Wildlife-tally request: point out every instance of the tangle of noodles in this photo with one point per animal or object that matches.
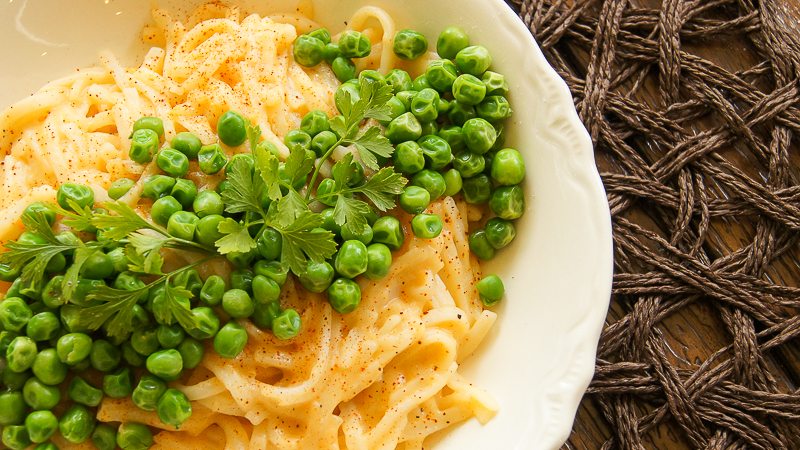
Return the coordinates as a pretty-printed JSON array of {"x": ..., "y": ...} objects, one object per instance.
[{"x": 385, "y": 376}]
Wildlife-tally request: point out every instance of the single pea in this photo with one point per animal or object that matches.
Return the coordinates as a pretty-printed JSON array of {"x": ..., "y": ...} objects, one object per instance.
[
  {"x": 40, "y": 396},
  {"x": 41, "y": 425},
  {"x": 508, "y": 168},
  {"x": 269, "y": 244},
  {"x": 287, "y": 324},
  {"x": 273, "y": 270},
  {"x": 147, "y": 392},
  {"x": 477, "y": 190},
  {"x": 420, "y": 83},
  {"x": 20, "y": 354},
  {"x": 351, "y": 260},
  {"x": 170, "y": 336},
  {"x": 128, "y": 281},
  {"x": 354, "y": 44},
  {"x": 164, "y": 208},
  {"x": 134, "y": 436},
  {"x": 212, "y": 291},
  {"x": 297, "y": 139},
  {"x": 479, "y": 135},
  {"x": 344, "y": 295},
  {"x": 329, "y": 222},
  {"x": 144, "y": 144},
  {"x": 184, "y": 191},
  {"x": 104, "y": 356},
  {"x": 172, "y": 162},
  {"x": 237, "y": 303},
  {"x": 322, "y": 142},
  {"x": 80, "y": 391},
  {"x": 451, "y": 41},
  {"x": 409, "y": 158},
  {"x": 396, "y": 109},
  {"x": 131, "y": 356},
  {"x": 157, "y": 186},
  {"x": 207, "y": 203},
  {"x": 424, "y": 105},
  {"x": 5, "y": 340},
  {"x": 118, "y": 259},
  {"x": 12, "y": 408},
  {"x": 331, "y": 52},
  {"x": 431, "y": 181},
  {"x": 436, "y": 151},
  {"x": 444, "y": 107},
  {"x": 405, "y": 97},
  {"x": 469, "y": 89},
  {"x": 322, "y": 34},
  {"x": 48, "y": 368},
  {"x": 495, "y": 83},
  {"x": 480, "y": 246},
  {"x": 145, "y": 340},
  {"x": 326, "y": 192},
  {"x": 426, "y": 226},
  {"x": 37, "y": 208},
  {"x": 78, "y": 194},
  {"x": 8, "y": 272},
  {"x": 405, "y": 127},
  {"x": 191, "y": 352},
  {"x": 231, "y": 129},
  {"x": 73, "y": 348},
  {"x": 231, "y": 340},
  {"x": 14, "y": 381},
  {"x": 266, "y": 290},
  {"x": 409, "y": 44},
  {"x": 165, "y": 364},
  {"x": 315, "y": 122},
  {"x": 430, "y": 128},
  {"x": 379, "y": 261},
  {"x": 211, "y": 159},
  {"x": 57, "y": 263},
  {"x": 494, "y": 108},
  {"x": 104, "y": 437},
  {"x": 369, "y": 76},
  {"x": 76, "y": 424},
  {"x": 182, "y": 225},
  {"x": 316, "y": 277},
  {"x": 365, "y": 236},
  {"x": 308, "y": 51},
  {"x": 43, "y": 326},
  {"x": 16, "y": 437},
  {"x": 500, "y": 232},
  {"x": 242, "y": 279},
  {"x": 387, "y": 230},
  {"x": 453, "y": 182},
  {"x": 414, "y": 199},
  {"x": 460, "y": 113},
  {"x": 187, "y": 143},
  {"x": 51, "y": 294},
  {"x": 441, "y": 74},
  {"x": 174, "y": 408},
  {"x": 14, "y": 313},
  {"x": 469, "y": 164},
  {"x": 207, "y": 229},
  {"x": 149, "y": 123},
  {"x": 265, "y": 314},
  {"x": 343, "y": 68},
  {"x": 508, "y": 202},
  {"x": 473, "y": 60},
  {"x": 97, "y": 267},
  {"x": 399, "y": 80},
  {"x": 118, "y": 384},
  {"x": 491, "y": 289}
]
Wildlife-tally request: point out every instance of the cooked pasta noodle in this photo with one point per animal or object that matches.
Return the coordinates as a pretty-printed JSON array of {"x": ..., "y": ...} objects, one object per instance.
[{"x": 385, "y": 376}]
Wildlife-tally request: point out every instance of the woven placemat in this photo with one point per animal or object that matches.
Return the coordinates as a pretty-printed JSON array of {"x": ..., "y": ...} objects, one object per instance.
[{"x": 694, "y": 109}]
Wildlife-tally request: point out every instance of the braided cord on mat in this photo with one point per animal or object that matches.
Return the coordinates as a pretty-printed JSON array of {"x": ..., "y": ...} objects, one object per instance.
[{"x": 694, "y": 109}]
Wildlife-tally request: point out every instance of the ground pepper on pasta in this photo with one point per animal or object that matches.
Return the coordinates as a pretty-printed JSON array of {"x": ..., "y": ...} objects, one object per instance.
[{"x": 264, "y": 236}]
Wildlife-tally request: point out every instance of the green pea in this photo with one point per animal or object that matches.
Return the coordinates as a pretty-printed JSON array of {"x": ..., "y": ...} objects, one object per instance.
[
  {"x": 424, "y": 105},
  {"x": 273, "y": 270},
  {"x": 212, "y": 291},
  {"x": 351, "y": 260},
  {"x": 144, "y": 144},
  {"x": 120, "y": 187},
  {"x": 165, "y": 364},
  {"x": 12, "y": 408},
  {"x": 145, "y": 341},
  {"x": 331, "y": 52},
  {"x": 297, "y": 139},
  {"x": 396, "y": 109},
  {"x": 20, "y": 354},
  {"x": 134, "y": 436},
  {"x": 491, "y": 289},
  {"x": 149, "y": 123},
  {"x": 207, "y": 203},
  {"x": 207, "y": 229},
  {"x": 51, "y": 294},
  {"x": 237, "y": 303},
  {"x": 41, "y": 425},
  {"x": 191, "y": 352},
  {"x": 172, "y": 162},
  {"x": 469, "y": 164},
  {"x": 399, "y": 80},
  {"x": 207, "y": 323},
  {"x": 500, "y": 232},
  {"x": 451, "y": 41},
  {"x": 73, "y": 348},
  {"x": 16, "y": 437},
  {"x": 242, "y": 279},
  {"x": 436, "y": 151},
  {"x": 37, "y": 208},
  {"x": 508, "y": 168},
  {"x": 97, "y": 267},
  {"x": 164, "y": 208},
  {"x": 119, "y": 261},
  {"x": 460, "y": 113},
  {"x": 231, "y": 340},
  {"x": 477, "y": 190},
  {"x": 128, "y": 281},
  {"x": 480, "y": 246},
  {"x": 76, "y": 424},
  {"x": 403, "y": 128},
  {"x": 323, "y": 142},
  {"x": 431, "y": 181},
  {"x": 479, "y": 135},
  {"x": 328, "y": 221},
  {"x": 80, "y": 391},
  {"x": 322, "y": 34},
  {"x": 170, "y": 336},
  {"x": 508, "y": 202},
  {"x": 365, "y": 236},
  {"x": 5, "y": 340},
  {"x": 353, "y": 44},
  {"x": 405, "y": 97},
  {"x": 104, "y": 356},
  {"x": 495, "y": 83},
  {"x": 187, "y": 143},
  {"x": 46, "y": 446},
  {"x": 387, "y": 230},
  {"x": 43, "y": 326},
  {"x": 266, "y": 290},
  {"x": 211, "y": 159},
  {"x": 473, "y": 60},
  {"x": 441, "y": 74},
  {"x": 429, "y": 128},
  {"x": 14, "y": 313},
  {"x": 469, "y": 89},
  {"x": 39, "y": 395},
  {"x": 287, "y": 324},
  {"x": 409, "y": 44},
  {"x": 369, "y": 76},
  {"x": 48, "y": 368},
  {"x": 444, "y": 107},
  {"x": 420, "y": 83},
  {"x": 131, "y": 356},
  {"x": 182, "y": 225},
  {"x": 494, "y": 108},
  {"x": 379, "y": 261},
  {"x": 414, "y": 199},
  {"x": 265, "y": 314},
  {"x": 232, "y": 129},
  {"x": 57, "y": 263},
  {"x": 308, "y": 51},
  {"x": 184, "y": 191},
  {"x": 78, "y": 194},
  {"x": 270, "y": 243},
  {"x": 104, "y": 437},
  {"x": 426, "y": 226},
  {"x": 344, "y": 295},
  {"x": 118, "y": 384},
  {"x": 453, "y": 182},
  {"x": 317, "y": 276},
  {"x": 343, "y": 68},
  {"x": 157, "y": 186},
  {"x": 408, "y": 157},
  {"x": 8, "y": 272},
  {"x": 147, "y": 392},
  {"x": 315, "y": 122}
]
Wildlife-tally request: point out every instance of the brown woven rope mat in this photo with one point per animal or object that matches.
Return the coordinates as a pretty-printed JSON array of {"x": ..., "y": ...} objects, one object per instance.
[{"x": 694, "y": 109}]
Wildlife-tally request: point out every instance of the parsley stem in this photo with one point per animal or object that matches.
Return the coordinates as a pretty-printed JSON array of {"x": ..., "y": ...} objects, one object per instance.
[{"x": 325, "y": 158}]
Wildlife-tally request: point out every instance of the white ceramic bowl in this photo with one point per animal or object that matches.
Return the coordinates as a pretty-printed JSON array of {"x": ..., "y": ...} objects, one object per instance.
[{"x": 540, "y": 356}]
